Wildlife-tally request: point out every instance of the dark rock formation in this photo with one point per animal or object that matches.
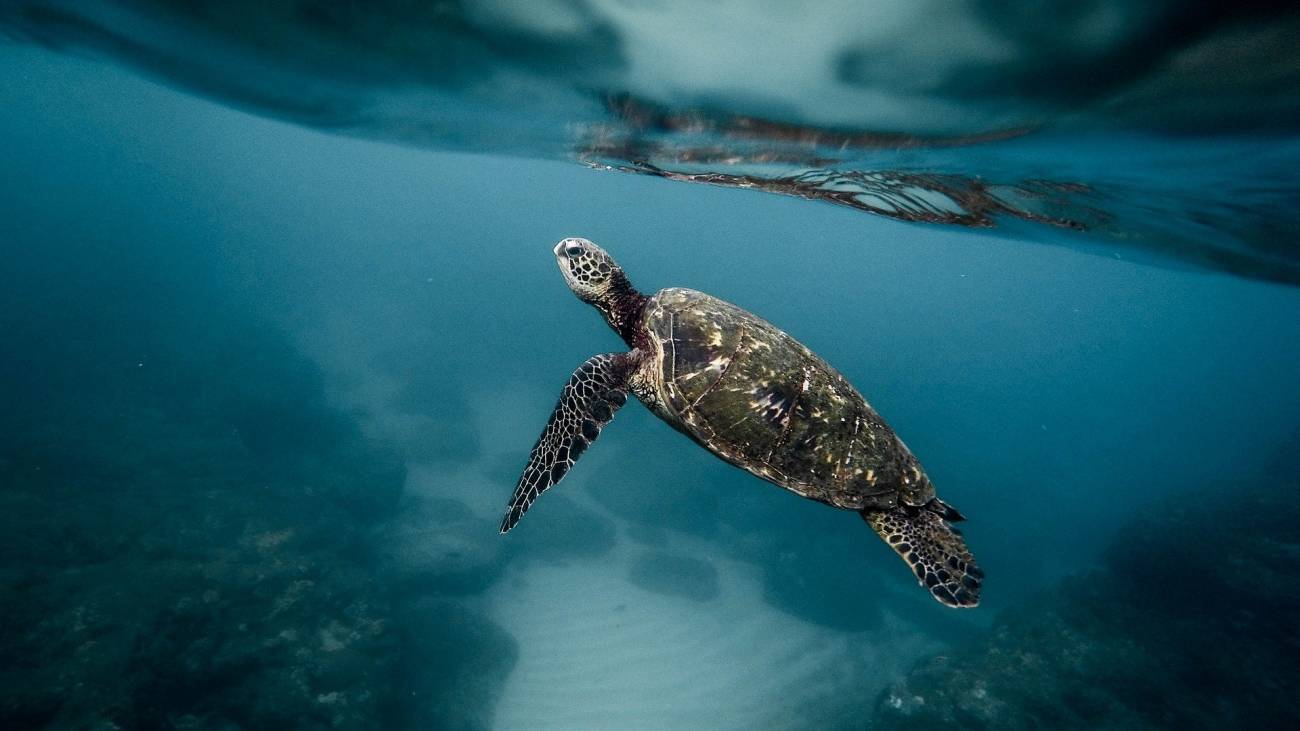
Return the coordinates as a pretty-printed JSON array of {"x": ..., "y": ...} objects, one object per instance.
[
  {"x": 188, "y": 528},
  {"x": 1193, "y": 623},
  {"x": 453, "y": 664}
]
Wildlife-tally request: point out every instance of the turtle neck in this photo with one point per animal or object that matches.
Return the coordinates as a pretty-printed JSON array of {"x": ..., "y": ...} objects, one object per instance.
[{"x": 622, "y": 306}]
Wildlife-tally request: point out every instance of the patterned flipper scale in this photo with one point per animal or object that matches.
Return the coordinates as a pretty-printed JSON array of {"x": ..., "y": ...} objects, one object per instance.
[
  {"x": 935, "y": 551},
  {"x": 594, "y": 392}
]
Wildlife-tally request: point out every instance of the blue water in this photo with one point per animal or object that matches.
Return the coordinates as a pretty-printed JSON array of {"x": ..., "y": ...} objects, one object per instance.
[{"x": 269, "y": 379}]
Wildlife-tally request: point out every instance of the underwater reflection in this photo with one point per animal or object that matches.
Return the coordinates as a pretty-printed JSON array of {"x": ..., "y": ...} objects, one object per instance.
[{"x": 975, "y": 121}]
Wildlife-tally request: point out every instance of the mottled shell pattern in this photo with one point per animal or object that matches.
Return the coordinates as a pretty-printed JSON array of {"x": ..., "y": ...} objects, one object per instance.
[{"x": 759, "y": 399}]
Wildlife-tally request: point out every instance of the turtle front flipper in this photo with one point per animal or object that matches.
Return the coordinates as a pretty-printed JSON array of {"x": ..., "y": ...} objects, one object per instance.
[
  {"x": 934, "y": 550},
  {"x": 594, "y": 392}
]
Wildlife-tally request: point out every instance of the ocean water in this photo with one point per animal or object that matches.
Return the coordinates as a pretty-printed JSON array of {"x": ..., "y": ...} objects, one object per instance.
[{"x": 280, "y": 322}]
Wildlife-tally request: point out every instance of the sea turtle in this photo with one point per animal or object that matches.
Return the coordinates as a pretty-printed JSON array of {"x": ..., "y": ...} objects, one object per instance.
[{"x": 754, "y": 396}]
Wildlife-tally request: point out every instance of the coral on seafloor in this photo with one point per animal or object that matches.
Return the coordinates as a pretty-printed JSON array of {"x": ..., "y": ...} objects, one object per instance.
[
  {"x": 1193, "y": 622},
  {"x": 195, "y": 542}
]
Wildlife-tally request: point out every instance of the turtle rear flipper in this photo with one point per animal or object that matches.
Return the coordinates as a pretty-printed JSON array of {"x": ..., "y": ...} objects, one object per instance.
[{"x": 936, "y": 552}]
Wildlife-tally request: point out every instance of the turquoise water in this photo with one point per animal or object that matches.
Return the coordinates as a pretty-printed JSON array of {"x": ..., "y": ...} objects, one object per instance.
[{"x": 269, "y": 379}]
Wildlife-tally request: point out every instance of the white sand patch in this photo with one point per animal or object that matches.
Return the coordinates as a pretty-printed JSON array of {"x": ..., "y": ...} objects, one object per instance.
[{"x": 597, "y": 652}]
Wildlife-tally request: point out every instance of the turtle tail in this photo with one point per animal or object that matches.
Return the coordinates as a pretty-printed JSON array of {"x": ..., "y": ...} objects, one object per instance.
[{"x": 934, "y": 549}]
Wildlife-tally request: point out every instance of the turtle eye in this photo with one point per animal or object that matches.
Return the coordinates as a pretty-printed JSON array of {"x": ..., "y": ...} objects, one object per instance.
[{"x": 573, "y": 250}]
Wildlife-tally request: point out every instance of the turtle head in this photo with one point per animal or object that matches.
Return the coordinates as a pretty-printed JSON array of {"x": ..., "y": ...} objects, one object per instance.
[
  {"x": 597, "y": 280},
  {"x": 588, "y": 270}
]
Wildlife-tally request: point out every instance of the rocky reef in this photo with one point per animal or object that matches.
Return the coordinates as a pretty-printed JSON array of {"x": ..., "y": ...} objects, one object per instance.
[
  {"x": 1192, "y": 622},
  {"x": 192, "y": 535}
]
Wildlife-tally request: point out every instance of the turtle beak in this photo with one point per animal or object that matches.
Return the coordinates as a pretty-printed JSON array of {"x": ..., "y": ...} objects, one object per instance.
[{"x": 562, "y": 258}]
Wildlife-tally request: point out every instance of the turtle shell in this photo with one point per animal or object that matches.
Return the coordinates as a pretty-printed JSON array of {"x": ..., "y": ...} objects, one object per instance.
[{"x": 759, "y": 399}]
